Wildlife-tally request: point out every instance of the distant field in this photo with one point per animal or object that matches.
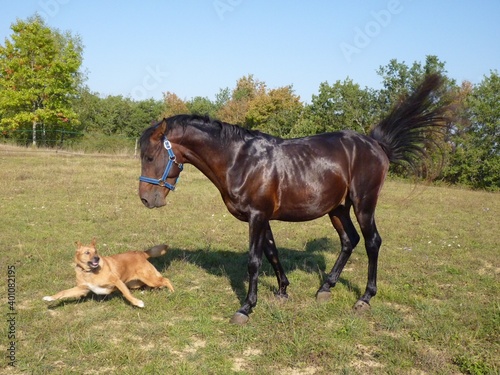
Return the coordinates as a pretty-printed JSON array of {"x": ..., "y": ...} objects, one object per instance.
[{"x": 437, "y": 310}]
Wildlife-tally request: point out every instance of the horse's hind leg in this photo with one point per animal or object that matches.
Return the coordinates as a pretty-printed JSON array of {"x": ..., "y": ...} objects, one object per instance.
[
  {"x": 272, "y": 256},
  {"x": 349, "y": 238},
  {"x": 373, "y": 241}
]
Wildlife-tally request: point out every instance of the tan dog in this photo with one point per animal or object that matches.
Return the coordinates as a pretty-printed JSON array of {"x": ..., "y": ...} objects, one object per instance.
[{"x": 103, "y": 275}]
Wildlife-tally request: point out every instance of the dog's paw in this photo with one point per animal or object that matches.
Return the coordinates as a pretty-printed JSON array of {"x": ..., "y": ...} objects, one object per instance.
[
  {"x": 140, "y": 304},
  {"x": 48, "y": 299}
]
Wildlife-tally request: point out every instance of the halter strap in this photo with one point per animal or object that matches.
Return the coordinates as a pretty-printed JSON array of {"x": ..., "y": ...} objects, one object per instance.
[{"x": 171, "y": 161}]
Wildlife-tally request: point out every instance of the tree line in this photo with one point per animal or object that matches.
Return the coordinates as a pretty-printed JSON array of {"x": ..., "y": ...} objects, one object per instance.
[{"x": 43, "y": 97}]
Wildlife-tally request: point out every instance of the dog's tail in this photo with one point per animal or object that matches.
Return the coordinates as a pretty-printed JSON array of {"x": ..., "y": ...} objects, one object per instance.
[{"x": 156, "y": 251}]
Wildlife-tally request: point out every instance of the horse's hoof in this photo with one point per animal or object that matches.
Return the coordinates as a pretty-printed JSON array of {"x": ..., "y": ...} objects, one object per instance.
[
  {"x": 361, "y": 306},
  {"x": 323, "y": 296},
  {"x": 239, "y": 319},
  {"x": 281, "y": 297}
]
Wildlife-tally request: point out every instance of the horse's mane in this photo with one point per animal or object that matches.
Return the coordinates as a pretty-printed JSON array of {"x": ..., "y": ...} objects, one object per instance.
[{"x": 224, "y": 130}]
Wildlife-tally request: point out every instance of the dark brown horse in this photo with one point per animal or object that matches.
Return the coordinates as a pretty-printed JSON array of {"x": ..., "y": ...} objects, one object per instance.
[{"x": 263, "y": 178}]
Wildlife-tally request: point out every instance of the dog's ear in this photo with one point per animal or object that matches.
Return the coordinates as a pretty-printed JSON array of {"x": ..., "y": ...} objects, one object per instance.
[
  {"x": 78, "y": 244},
  {"x": 93, "y": 242}
]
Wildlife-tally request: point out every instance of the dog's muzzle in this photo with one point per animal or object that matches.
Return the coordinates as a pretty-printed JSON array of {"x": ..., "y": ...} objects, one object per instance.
[{"x": 94, "y": 263}]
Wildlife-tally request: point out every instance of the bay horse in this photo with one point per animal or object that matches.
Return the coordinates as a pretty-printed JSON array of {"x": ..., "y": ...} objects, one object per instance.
[{"x": 263, "y": 178}]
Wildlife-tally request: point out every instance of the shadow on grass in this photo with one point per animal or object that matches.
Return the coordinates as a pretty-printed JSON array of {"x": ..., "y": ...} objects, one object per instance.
[
  {"x": 89, "y": 297},
  {"x": 95, "y": 297},
  {"x": 233, "y": 265}
]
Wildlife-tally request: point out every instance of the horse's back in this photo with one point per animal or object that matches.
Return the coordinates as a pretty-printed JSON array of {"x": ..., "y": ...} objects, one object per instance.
[{"x": 304, "y": 178}]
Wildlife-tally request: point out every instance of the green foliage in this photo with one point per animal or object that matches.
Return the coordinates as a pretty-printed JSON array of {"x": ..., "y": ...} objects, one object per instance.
[
  {"x": 474, "y": 159},
  {"x": 202, "y": 106},
  {"x": 143, "y": 113},
  {"x": 115, "y": 115},
  {"x": 222, "y": 97},
  {"x": 39, "y": 74},
  {"x": 398, "y": 79},
  {"x": 173, "y": 105},
  {"x": 236, "y": 107},
  {"x": 472, "y": 366},
  {"x": 274, "y": 111},
  {"x": 343, "y": 105}
]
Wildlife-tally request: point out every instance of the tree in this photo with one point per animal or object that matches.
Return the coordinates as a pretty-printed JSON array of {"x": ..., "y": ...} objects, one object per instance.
[
  {"x": 89, "y": 110},
  {"x": 275, "y": 111},
  {"x": 39, "y": 76},
  {"x": 173, "y": 105},
  {"x": 343, "y": 105},
  {"x": 201, "y": 106},
  {"x": 485, "y": 117},
  {"x": 143, "y": 113},
  {"x": 398, "y": 79},
  {"x": 221, "y": 98},
  {"x": 234, "y": 111},
  {"x": 475, "y": 156}
]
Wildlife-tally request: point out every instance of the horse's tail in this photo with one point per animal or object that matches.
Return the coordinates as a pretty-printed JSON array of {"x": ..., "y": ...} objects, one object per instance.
[
  {"x": 156, "y": 251},
  {"x": 407, "y": 132}
]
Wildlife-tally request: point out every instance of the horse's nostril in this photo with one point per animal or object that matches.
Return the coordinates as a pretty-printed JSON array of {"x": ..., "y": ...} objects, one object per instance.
[{"x": 145, "y": 202}]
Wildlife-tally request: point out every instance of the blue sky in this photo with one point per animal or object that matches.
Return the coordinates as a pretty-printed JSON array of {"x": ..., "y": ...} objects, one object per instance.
[{"x": 193, "y": 48}]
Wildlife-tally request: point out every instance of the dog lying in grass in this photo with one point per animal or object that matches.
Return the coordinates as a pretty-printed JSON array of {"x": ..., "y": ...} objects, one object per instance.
[{"x": 104, "y": 275}]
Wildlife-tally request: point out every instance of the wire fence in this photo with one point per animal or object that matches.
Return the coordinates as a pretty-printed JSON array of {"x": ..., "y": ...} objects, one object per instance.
[
  {"x": 72, "y": 141},
  {"x": 41, "y": 137}
]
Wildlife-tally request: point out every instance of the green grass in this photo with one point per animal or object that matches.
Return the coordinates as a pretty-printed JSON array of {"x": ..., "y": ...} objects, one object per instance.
[{"x": 437, "y": 310}]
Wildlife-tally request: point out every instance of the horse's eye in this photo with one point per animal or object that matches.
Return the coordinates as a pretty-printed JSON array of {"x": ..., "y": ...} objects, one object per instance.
[{"x": 149, "y": 159}]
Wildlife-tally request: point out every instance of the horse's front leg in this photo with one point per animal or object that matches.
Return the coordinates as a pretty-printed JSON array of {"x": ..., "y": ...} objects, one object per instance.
[
  {"x": 272, "y": 256},
  {"x": 258, "y": 228}
]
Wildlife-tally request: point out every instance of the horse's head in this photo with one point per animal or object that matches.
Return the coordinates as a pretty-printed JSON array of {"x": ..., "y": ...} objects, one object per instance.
[{"x": 160, "y": 166}]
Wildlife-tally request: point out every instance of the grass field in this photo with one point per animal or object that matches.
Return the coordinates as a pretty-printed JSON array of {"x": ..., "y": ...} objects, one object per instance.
[{"x": 437, "y": 310}]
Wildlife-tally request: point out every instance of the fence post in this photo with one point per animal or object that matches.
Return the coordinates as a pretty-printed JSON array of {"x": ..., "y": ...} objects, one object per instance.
[{"x": 34, "y": 133}]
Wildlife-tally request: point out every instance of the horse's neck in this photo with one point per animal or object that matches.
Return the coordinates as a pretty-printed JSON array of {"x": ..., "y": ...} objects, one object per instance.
[{"x": 208, "y": 154}]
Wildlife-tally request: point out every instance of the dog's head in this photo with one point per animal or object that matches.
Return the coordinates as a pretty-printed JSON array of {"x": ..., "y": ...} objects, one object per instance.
[{"x": 86, "y": 256}]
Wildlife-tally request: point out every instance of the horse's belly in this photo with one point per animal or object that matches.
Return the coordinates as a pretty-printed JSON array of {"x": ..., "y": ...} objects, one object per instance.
[
  {"x": 304, "y": 211},
  {"x": 307, "y": 204}
]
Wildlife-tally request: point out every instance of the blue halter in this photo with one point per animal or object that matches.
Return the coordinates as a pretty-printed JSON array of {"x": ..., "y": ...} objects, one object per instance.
[{"x": 171, "y": 161}]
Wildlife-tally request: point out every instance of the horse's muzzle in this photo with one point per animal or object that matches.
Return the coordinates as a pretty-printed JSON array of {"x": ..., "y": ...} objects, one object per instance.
[
  {"x": 152, "y": 203},
  {"x": 153, "y": 198}
]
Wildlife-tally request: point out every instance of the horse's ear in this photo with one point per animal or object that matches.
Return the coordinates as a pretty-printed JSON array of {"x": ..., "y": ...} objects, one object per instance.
[{"x": 160, "y": 130}]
